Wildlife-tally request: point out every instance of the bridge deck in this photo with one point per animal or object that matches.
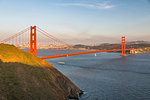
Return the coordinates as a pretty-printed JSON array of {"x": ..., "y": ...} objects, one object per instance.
[{"x": 80, "y": 53}]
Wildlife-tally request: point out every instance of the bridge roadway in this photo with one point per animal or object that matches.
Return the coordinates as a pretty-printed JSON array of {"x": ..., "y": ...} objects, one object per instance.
[{"x": 81, "y": 53}]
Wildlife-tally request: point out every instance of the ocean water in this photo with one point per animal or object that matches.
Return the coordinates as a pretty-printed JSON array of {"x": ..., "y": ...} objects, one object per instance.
[{"x": 107, "y": 76}]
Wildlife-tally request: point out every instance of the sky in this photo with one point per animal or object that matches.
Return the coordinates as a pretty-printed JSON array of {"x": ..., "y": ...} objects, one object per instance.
[{"x": 78, "y": 21}]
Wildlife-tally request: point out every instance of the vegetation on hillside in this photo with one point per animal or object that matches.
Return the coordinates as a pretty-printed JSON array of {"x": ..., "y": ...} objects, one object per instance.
[{"x": 26, "y": 77}]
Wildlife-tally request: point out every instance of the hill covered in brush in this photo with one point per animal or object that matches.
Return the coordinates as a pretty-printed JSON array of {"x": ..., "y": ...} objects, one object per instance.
[{"x": 26, "y": 77}]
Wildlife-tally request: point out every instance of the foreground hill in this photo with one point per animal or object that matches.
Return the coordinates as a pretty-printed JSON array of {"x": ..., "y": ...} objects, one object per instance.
[{"x": 26, "y": 77}]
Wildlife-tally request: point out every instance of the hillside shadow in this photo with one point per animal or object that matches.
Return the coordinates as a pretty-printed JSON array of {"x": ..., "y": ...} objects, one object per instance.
[{"x": 24, "y": 82}]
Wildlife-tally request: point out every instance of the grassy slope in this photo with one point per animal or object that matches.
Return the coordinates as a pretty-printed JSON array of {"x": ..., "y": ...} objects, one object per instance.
[{"x": 25, "y": 77}]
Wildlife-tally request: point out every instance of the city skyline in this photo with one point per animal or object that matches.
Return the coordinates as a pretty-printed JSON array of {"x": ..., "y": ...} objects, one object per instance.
[{"x": 80, "y": 21}]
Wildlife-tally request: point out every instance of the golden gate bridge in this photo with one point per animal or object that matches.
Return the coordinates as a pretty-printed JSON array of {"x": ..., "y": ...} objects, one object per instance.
[{"x": 32, "y": 35}]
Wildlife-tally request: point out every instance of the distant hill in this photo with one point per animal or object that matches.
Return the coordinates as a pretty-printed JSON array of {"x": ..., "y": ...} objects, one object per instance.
[
  {"x": 26, "y": 77},
  {"x": 109, "y": 46},
  {"x": 138, "y": 42}
]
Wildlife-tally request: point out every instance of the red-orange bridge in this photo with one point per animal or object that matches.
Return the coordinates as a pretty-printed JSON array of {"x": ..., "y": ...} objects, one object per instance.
[{"x": 29, "y": 38}]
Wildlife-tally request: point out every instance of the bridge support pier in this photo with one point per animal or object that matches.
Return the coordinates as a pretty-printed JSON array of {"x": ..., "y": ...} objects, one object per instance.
[
  {"x": 33, "y": 47},
  {"x": 123, "y": 46}
]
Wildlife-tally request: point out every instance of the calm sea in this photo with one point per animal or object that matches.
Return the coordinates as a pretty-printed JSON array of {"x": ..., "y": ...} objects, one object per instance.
[{"x": 107, "y": 76}]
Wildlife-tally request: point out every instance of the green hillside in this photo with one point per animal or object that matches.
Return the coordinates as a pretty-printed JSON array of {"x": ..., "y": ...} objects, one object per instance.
[{"x": 26, "y": 77}]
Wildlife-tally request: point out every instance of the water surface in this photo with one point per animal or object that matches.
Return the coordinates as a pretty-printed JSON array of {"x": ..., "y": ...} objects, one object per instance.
[{"x": 108, "y": 76}]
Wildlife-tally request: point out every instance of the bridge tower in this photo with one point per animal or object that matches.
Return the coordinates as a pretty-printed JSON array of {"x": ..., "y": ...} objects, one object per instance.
[
  {"x": 123, "y": 46},
  {"x": 33, "y": 48}
]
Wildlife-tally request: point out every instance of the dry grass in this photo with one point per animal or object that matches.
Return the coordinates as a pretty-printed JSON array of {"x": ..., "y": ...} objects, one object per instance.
[{"x": 25, "y": 77}]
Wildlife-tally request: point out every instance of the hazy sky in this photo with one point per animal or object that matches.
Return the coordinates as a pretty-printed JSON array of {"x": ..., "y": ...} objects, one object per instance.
[{"x": 78, "y": 21}]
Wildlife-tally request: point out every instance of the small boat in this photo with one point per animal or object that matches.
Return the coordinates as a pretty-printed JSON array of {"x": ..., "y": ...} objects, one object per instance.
[
  {"x": 61, "y": 63},
  {"x": 95, "y": 54}
]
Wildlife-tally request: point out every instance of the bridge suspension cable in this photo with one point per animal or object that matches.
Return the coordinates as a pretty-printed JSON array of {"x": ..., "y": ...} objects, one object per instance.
[
  {"x": 50, "y": 36},
  {"x": 35, "y": 38},
  {"x": 16, "y": 35}
]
